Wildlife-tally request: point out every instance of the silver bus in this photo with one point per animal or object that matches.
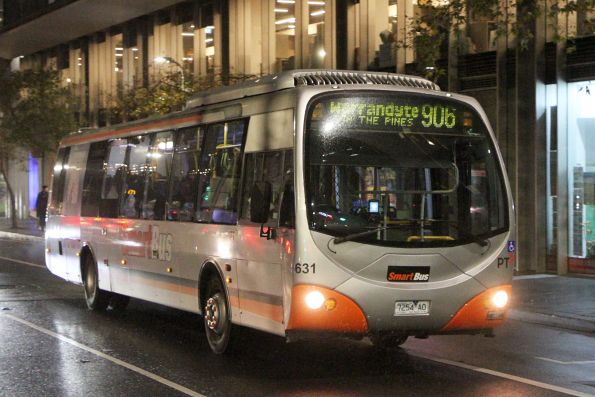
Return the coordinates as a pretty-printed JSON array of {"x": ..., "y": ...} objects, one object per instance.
[{"x": 304, "y": 204}]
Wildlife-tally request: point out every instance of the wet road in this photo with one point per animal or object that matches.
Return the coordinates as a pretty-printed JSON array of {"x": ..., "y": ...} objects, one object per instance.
[{"x": 51, "y": 345}]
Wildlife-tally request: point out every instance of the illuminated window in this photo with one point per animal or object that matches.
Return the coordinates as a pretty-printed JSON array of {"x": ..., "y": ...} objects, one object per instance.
[
  {"x": 285, "y": 27},
  {"x": 188, "y": 46},
  {"x": 316, "y": 49},
  {"x": 119, "y": 59},
  {"x": 210, "y": 48}
]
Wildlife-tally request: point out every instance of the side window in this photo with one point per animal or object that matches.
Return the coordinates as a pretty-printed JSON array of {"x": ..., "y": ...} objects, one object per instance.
[
  {"x": 58, "y": 181},
  {"x": 134, "y": 178},
  {"x": 113, "y": 173},
  {"x": 158, "y": 170},
  {"x": 181, "y": 203},
  {"x": 275, "y": 167},
  {"x": 93, "y": 179},
  {"x": 220, "y": 166}
]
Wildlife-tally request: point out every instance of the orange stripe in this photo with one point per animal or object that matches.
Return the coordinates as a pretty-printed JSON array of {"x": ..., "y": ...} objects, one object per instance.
[
  {"x": 474, "y": 314},
  {"x": 164, "y": 285},
  {"x": 74, "y": 139},
  {"x": 274, "y": 312}
]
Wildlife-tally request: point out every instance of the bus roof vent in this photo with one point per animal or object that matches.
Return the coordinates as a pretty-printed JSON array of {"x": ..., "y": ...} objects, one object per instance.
[
  {"x": 323, "y": 77},
  {"x": 300, "y": 78}
]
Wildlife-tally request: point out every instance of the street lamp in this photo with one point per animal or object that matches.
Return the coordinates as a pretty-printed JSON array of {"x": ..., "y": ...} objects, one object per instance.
[{"x": 162, "y": 60}]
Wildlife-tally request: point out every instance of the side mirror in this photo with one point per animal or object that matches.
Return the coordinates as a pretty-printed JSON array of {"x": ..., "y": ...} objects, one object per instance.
[{"x": 260, "y": 202}]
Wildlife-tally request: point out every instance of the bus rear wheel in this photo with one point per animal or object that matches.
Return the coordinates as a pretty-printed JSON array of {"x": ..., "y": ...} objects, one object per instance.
[
  {"x": 217, "y": 317},
  {"x": 96, "y": 299}
]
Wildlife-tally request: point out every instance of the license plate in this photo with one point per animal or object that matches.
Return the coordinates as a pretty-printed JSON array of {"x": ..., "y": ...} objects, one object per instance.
[{"x": 412, "y": 308}]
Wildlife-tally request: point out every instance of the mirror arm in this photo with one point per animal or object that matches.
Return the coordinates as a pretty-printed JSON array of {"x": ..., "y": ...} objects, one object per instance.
[{"x": 270, "y": 233}]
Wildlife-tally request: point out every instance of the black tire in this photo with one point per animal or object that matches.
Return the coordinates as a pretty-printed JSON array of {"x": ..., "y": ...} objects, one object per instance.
[
  {"x": 217, "y": 316},
  {"x": 97, "y": 299},
  {"x": 118, "y": 302},
  {"x": 388, "y": 341}
]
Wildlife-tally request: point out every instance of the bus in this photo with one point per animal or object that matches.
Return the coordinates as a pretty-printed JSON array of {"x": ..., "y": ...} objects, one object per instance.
[{"x": 306, "y": 204}]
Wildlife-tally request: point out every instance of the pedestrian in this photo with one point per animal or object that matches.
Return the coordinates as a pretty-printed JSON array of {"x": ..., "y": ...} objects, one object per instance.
[{"x": 41, "y": 205}]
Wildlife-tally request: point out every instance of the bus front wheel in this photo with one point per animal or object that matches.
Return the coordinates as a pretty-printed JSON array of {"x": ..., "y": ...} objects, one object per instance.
[
  {"x": 217, "y": 317},
  {"x": 97, "y": 299}
]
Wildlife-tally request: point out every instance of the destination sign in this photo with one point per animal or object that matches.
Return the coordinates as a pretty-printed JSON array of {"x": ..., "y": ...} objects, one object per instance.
[{"x": 415, "y": 113}]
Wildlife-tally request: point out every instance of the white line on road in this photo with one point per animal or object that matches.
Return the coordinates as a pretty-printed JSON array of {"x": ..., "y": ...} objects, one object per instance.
[
  {"x": 551, "y": 360},
  {"x": 503, "y": 375},
  {"x": 119, "y": 362},
  {"x": 22, "y": 262}
]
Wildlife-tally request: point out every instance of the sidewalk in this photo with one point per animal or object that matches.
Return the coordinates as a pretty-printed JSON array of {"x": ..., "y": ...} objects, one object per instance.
[
  {"x": 27, "y": 229},
  {"x": 560, "y": 301}
]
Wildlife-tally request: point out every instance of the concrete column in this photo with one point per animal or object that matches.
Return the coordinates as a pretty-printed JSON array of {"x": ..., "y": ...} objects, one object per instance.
[{"x": 530, "y": 144}]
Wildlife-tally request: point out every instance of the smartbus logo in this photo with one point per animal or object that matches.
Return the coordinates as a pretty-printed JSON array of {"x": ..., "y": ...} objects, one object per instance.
[{"x": 408, "y": 274}]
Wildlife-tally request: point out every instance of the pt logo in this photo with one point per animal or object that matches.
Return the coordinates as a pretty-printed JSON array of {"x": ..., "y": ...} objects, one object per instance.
[
  {"x": 161, "y": 244},
  {"x": 503, "y": 262}
]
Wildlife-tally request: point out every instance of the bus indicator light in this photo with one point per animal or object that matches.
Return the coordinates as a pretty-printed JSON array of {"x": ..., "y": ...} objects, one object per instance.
[{"x": 330, "y": 304}]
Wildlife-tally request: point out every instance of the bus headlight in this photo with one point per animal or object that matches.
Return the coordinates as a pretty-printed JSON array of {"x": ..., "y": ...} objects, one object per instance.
[
  {"x": 500, "y": 299},
  {"x": 314, "y": 300}
]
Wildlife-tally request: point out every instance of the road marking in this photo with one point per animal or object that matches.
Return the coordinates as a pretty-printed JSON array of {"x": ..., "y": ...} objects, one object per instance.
[
  {"x": 503, "y": 375},
  {"x": 551, "y": 360},
  {"x": 119, "y": 362},
  {"x": 22, "y": 262}
]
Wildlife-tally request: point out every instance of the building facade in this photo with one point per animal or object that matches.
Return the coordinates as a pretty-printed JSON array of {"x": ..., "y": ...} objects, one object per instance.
[{"x": 540, "y": 97}]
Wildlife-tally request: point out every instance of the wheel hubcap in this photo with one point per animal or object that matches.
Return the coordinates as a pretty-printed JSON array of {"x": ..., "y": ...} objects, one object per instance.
[
  {"x": 213, "y": 314},
  {"x": 90, "y": 283}
]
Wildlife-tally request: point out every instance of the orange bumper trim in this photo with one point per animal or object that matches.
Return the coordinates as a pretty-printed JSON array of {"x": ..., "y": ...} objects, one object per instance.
[
  {"x": 338, "y": 314},
  {"x": 480, "y": 312}
]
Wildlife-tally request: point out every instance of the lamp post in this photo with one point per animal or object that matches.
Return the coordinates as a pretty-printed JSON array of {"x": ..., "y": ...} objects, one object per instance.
[{"x": 163, "y": 59}]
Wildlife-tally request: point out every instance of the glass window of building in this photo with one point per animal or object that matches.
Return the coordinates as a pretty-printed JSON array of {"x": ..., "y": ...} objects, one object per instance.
[
  {"x": 285, "y": 23},
  {"x": 119, "y": 61},
  {"x": 481, "y": 34},
  {"x": 188, "y": 47},
  {"x": 137, "y": 65},
  {"x": 581, "y": 177},
  {"x": 386, "y": 32},
  {"x": 210, "y": 49},
  {"x": 316, "y": 13}
]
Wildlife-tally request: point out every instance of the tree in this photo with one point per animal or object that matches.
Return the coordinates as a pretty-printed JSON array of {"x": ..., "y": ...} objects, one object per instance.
[
  {"x": 168, "y": 94},
  {"x": 35, "y": 113},
  {"x": 438, "y": 19}
]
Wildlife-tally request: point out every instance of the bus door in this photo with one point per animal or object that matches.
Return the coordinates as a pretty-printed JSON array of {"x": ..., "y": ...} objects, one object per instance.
[
  {"x": 70, "y": 228},
  {"x": 266, "y": 249},
  {"x": 127, "y": 236},
  {"x": 54, "y": 245}
]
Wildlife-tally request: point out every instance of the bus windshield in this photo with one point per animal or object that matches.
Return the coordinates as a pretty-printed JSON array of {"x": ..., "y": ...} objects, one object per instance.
[{"x": 402, "y": 169}]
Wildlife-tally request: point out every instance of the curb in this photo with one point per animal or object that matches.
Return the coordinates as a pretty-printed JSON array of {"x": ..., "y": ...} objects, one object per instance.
[
  {"x": 553, "y": 320},
  {"x": 19, "y": 236}
]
